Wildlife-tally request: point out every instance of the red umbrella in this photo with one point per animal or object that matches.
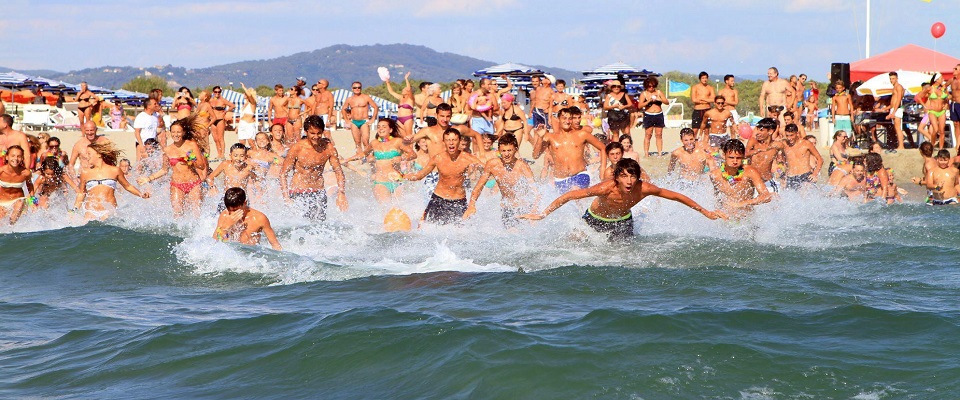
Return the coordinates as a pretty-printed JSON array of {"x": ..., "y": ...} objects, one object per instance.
[{"x": 24, "y": 97}]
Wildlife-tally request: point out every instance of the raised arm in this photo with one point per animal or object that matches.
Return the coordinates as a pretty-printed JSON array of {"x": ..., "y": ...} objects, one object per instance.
[{"x": 393, "y": 92}]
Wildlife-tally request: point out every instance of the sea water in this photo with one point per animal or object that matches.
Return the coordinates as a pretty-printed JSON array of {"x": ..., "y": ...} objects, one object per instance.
[{"x": 808, "y": 297}]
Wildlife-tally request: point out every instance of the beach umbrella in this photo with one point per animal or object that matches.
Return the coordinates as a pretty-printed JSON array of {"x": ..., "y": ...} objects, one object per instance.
[
  {"x": 507, "y": 69},
  {"x": 880, "y": 85},
  {"x": 22, "y": 96},
  {"x": 615, "y": 68}
]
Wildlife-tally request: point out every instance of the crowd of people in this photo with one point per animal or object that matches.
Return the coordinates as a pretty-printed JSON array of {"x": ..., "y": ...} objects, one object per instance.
[{"x": 467, "y": 143}]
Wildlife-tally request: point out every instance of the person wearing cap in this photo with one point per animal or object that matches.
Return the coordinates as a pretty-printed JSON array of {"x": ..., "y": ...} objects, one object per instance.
[{"x": 512, "y": 119}]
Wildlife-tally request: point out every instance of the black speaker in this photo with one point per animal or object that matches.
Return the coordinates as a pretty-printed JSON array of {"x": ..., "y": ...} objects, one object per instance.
[{"x": 840, "y": 71}]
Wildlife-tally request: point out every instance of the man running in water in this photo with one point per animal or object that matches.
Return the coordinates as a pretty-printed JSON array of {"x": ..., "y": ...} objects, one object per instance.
[
  {"x": 854, "y": 184},
  {"x": 942, "y": 181},
  {"x": 762, "y": 151},
  {"x": 736, "y": 183},
  {"x": 773, "y": 92},
  {"x": 610, "y": 210},
  {"x": 357, "y": 110},
  {"x": 566, "y": 146},
  {"x": 449, "y": 200},
  {"x": 798, "y": 153},
  {"x": 307, "y": 159},
  {"x": 512, "y": 175},
  {"x": 79, "y": 151},
  {"x": 240, "y": 223}
]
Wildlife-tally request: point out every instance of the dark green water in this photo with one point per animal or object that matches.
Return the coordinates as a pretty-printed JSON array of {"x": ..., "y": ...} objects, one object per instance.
[{"x": 809, "y": 299}]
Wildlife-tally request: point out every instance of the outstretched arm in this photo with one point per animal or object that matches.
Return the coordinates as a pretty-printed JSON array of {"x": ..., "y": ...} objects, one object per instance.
[
  {"x": 653, "y": 190},
  {"x": 593, "y": 191}
]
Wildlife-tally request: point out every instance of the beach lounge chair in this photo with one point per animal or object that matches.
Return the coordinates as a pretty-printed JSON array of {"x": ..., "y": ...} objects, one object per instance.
[
  {"x": 66, "y": 118},
  {"x": 36, "y": 117}
]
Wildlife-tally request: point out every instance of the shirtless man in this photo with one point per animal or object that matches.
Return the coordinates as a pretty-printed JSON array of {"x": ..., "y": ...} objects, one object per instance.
[
  {"x": 278, "y": 104},
  {"x": 482, "y": 108},
  {"x": 566, "y": 146},
  {"x": 798, "y": 153},
  {"x": 896, "y": 108},
  {"x": 321, "y": 103},
  {"x": 356, "y": 109},
  {"x": 736, "y": 183},
  {"x": 513, "y": 177},
  {"x": 610, "y": 211},
  {"x": 702, "y": 95},
  {"x": 79, "y": 152},
  {"x": 10, "y": 137},
  {"x": 732, "y": 97},
  {"x": 854, "y": 184},
  {"x": 773, "y": 92},
  {"x": 841, "y": 107},
  {"x": 954, "y": 105},
  {"x": 307, "y": 159},
  {"x": 240, "y": 223},
  {"x": 762, "y": 151},
  {"x": 220, "y": 109},
  {"x": 942, "y": 181},
  {"x": 540, "y": 98},
  {"x": 448, "y": 203},
  {"x": 691, "y": 161},
  {"x": 85, "y": 102},
  {"x": 716, "y": 122},
  {"x": 789, "y": 118}
]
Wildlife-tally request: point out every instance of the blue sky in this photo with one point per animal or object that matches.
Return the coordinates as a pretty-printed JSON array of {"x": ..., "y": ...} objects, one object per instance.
[{"x": 724, "y": 36}]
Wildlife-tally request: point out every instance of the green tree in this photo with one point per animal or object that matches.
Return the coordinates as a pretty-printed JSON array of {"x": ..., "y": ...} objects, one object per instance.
[{"x": 144, "y": 84}]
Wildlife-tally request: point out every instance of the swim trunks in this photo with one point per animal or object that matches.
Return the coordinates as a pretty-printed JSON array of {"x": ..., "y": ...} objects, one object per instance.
[
  {"x": 358, "y": 122},
  {"x": 772, "y": 186},
  {"x": 653, "y": 120},
  {"x": 481, "y": 125},
  {"x": 616, "y": 228},
  {"x": 281, "y": 121},
  {"x": 955, "y": 112},
  {"x": 796, "y": 182},
  {"x": 578, "y": 181},
  {"x": 944, "y": 202},
  {"x": 843, "y": 124},
  {"x": 540, "y": 118},
  {"x": 718, "y": 140},
  {"x": 313, "y": 202},
  {"x": 444, "y": 211},
  {"x": 696, "y": 120}
]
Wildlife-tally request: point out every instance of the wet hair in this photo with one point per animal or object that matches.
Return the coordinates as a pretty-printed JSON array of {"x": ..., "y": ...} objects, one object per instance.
[
  {"x": 313, "y": 121},
  {"x": 733, "y": 146},
  {"x": 53, "y": 164},
  {"x": 873, "y": 162},
  {"x": 151, "y": 143},
  {"x": 7, "y": 119},
  {"x": 926, "y": 149},
  {"x": 444, "y": 107},
  {"x": 727, "y": 76},
  {"x": 612, "y": 146},
  {"x": 394, "y": 128},
  {"x": 237, "y": 146},
  {"x": 107, "y": 150},
  {"x": 234, "y": 197},
  {"x": 651, "y": 81},
  {"x": 944, "y": 153},
  {"x": 791, "y": 128},
  {"x": 622, "y": 137},
  {"x": 703, "y": 74},
  {"x": 189, "y": 126},
  {"x": 789, "y": 114},
  {"x": 451, "y": 131},
  {"x": 508, "y": 140},
  {"x": 687, "y": 131},
  {"x": 628, "y": 166},
  {"x": 767, "y": 123}
]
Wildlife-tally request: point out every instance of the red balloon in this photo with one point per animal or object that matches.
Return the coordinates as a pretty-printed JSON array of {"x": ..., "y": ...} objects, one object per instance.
[{"x": 937, "y": 30}]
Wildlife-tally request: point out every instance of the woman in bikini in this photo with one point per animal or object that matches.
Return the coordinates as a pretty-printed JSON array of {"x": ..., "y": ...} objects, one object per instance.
[
  {"x": 388, "y": 150},
  {"x": 428, "y": 110},
  {"x": 457, "y": 99},
  {"x": 404, "y": 107},
  {"x": 294, "y": 103},
  {"x": 220, "y": 109},
  {"x": 512, "y": 119},
  {"x": 936, "y": 106},
  {"x": 15, "y": 184},
  {"x": 184, "y": 102},
  {"x": 559, "y": 100},
  {"x": 188, "y": 165},
  {"x": 617, "y": 103},
  {"x": 85, "y": 102},
  {"x": 838, "y": 152},
  {"x": 98, "y": 184}
]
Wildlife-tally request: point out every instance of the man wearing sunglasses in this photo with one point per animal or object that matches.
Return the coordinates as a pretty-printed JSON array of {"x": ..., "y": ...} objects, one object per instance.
[
  {"x": 356, "y": 110},
  {"x": 320, "y": 103},
  {"x": 715, "y": 124}
]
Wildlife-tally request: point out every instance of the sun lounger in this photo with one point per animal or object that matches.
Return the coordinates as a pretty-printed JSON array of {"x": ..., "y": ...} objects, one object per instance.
[{"x": 36, "y": 117}]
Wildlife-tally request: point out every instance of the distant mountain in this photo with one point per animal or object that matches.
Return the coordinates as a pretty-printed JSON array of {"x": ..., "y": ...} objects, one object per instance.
[{"x": 340, "y": 64}]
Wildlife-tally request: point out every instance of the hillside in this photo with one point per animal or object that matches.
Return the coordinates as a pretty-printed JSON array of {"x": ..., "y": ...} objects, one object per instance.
[{"x": 340, "y": 64}]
